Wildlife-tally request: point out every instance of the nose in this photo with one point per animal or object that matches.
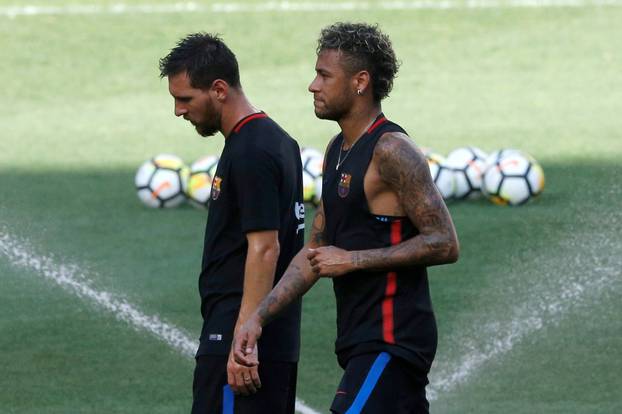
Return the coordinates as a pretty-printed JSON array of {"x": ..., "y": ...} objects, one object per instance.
[
  {"x": 313, "y": 86},
  {"x": 180, "y": 110}
]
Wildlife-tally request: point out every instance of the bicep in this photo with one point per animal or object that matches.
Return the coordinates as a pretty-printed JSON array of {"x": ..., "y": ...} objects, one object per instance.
[{"x": 405, "y": 170}]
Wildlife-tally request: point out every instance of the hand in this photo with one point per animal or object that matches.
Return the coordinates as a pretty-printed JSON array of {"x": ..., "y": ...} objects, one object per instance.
[
  {"x": 242, "y": 380},
  {"x": 244, "y": 348},
  {"x": 330, "y": 261}
]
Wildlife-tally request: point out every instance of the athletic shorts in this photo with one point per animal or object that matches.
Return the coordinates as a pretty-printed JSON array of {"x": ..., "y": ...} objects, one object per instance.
[
  {"x": 212, "y": 395},
  {"x": 379, "y": 383}
]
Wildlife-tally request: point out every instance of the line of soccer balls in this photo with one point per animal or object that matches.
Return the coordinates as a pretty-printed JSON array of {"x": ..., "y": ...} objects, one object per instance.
[
  {"x": 506, "y": 177},
  {"x": 166, "y": 181}
]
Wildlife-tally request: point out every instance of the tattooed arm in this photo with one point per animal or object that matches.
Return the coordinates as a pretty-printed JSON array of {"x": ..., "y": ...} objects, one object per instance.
[
  {"x": 295, "y": 282},
  {"x": 404, "y": 169},
  {"x": 297, "y": 279}
]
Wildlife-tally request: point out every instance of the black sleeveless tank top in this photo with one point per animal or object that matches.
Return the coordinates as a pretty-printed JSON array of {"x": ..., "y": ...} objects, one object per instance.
[{"x": 376, "y": 311}]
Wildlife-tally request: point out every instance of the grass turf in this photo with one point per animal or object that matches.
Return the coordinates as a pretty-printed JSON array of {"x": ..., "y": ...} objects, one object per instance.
[{"x": 84, "y": 107}]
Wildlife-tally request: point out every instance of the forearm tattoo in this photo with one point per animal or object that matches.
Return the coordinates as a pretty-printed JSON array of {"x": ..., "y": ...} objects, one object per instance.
[
  {"x": 317, "y": 227},
  {"x": 292, "y": 285}
]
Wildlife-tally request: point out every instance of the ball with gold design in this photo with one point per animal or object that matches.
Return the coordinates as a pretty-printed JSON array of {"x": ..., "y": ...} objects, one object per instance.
[
  {"x": 161, "y": 181},
  {"x": 199, "y": 188}
]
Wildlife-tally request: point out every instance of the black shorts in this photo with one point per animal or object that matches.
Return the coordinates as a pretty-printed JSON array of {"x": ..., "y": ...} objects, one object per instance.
[
  {"x": 379, "y": 383},
  {"x": 212, "y": 395}
]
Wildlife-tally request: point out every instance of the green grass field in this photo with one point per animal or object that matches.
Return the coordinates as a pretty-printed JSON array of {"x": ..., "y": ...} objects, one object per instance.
[{"x": 529, "y": 318}]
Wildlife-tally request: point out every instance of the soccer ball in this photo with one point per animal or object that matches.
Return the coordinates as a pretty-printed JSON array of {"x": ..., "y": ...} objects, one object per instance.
[
  {"x": 513, "y": 180},
  {"x": 426, "y": 151},
  {"x": 498, "y": 154},
  {"x": 199, "y": 187},
  {"x": 468, "y": 165},
  {"x": 161, "y": 181},
  {"x": 312, "y": 164},
  {"x": 442, "y": 175},
  {"x": 317, "y": 194}
]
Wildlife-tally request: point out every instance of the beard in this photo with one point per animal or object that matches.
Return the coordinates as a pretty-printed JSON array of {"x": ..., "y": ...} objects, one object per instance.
[
  {"x": 330, "y": 114},
  {"x": 211, "y": 124},
  {"x": 336, "y": 109},
  {"x": 207, "y": 129}
]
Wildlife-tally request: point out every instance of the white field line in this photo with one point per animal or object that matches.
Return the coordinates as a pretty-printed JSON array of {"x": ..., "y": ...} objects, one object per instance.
[
  {"x": 71, "y": 278},
  {"x": 563, "y": 286},
  {"x": 560, "y": 285},
  {"x": 287, "y": 6}
]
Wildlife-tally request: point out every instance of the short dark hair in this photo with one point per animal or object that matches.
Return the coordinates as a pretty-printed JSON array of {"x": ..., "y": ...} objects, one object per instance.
[
  {"x": 364, "y": 47},
  {"x": 205, "y": 58}
]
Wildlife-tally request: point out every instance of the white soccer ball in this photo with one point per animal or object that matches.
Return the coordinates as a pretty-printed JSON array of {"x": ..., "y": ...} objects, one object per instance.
[
  {"x": 513, "y": 180},
  {"x": 199, "y": 187},
  {"x": 161, "y": 181},
  {"x": 468, "y": 165},
  {"x": 312, "y": 164},
  {"x": 496, "y": 155},
  {"x": 442, "y": 175},
  {"x": 426, "y": 151},
  {"x": 317, "y": 194}
]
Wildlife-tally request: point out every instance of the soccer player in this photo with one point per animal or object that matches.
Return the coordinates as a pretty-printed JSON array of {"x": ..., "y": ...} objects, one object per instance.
[
  {"x": 255, "y": 227},
  {"x": 380, "y": 224}
]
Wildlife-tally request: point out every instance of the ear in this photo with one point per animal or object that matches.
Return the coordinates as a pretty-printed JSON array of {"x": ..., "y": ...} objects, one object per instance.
[
  {"x": 361, "y": 82},
  {"x": 220, "y": 90}
]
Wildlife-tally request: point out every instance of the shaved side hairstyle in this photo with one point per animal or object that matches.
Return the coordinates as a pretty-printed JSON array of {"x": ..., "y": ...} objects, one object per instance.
[
  {"x": 205, "y": 58},
  {"x": 364, "y": 47}
]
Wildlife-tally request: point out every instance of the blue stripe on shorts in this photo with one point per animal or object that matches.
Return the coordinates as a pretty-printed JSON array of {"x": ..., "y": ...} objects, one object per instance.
[
  {"x": 370, "y": 382},
  {"x": 227, "y": 400}
]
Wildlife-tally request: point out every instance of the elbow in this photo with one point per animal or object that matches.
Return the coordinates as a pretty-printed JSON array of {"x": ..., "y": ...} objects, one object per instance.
[
  {"x": 268, "y": 252},
  {"x": 453, "y": 252},
  {"x": 445, "y": 251}
]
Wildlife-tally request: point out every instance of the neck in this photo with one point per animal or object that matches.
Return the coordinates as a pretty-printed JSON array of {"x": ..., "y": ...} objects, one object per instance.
[
  {"x": 236, "y": 108},
  {"x": 355, "y": 123}
]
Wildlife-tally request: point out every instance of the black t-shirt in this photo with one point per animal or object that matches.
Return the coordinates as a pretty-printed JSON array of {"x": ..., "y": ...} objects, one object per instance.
[{"x": 257, "y": 186}]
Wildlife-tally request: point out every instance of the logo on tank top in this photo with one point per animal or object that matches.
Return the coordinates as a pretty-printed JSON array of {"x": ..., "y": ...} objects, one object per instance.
[
  {"x": 216, "y": 188},
  {"x": 343, "y": 189}
]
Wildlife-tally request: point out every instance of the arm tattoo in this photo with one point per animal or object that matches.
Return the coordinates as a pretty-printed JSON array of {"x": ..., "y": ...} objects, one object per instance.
[
  {"x": 405, "y": 170},
  {"x": 318, "y": 237},
  {"x": 292, "y": 285}
]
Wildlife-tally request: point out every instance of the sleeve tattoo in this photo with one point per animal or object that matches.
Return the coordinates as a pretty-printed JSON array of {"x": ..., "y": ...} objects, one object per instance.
[
  {"x": 298, "y": 278},
  {"x": 405, "y": 170},
  {"x": 318, "y": 237}
]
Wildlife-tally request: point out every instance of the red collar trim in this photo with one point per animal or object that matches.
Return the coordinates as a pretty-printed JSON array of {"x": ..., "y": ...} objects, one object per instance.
[
  {"x": 246, "y": 120},
  {"x": 381, "y": 120}
]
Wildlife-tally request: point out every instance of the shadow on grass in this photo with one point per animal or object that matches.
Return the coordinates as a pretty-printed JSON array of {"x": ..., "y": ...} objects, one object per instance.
[{"x": 94, "y": 217}]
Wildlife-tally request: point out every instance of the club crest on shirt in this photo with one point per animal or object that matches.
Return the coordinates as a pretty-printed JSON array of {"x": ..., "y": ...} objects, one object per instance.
[
  {"x": 343, "y": 189},
  {"x": 216, "y": 187}
]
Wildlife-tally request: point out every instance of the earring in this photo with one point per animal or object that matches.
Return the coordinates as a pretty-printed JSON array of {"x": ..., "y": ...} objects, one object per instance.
[{"x": 359, "y": 92}]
